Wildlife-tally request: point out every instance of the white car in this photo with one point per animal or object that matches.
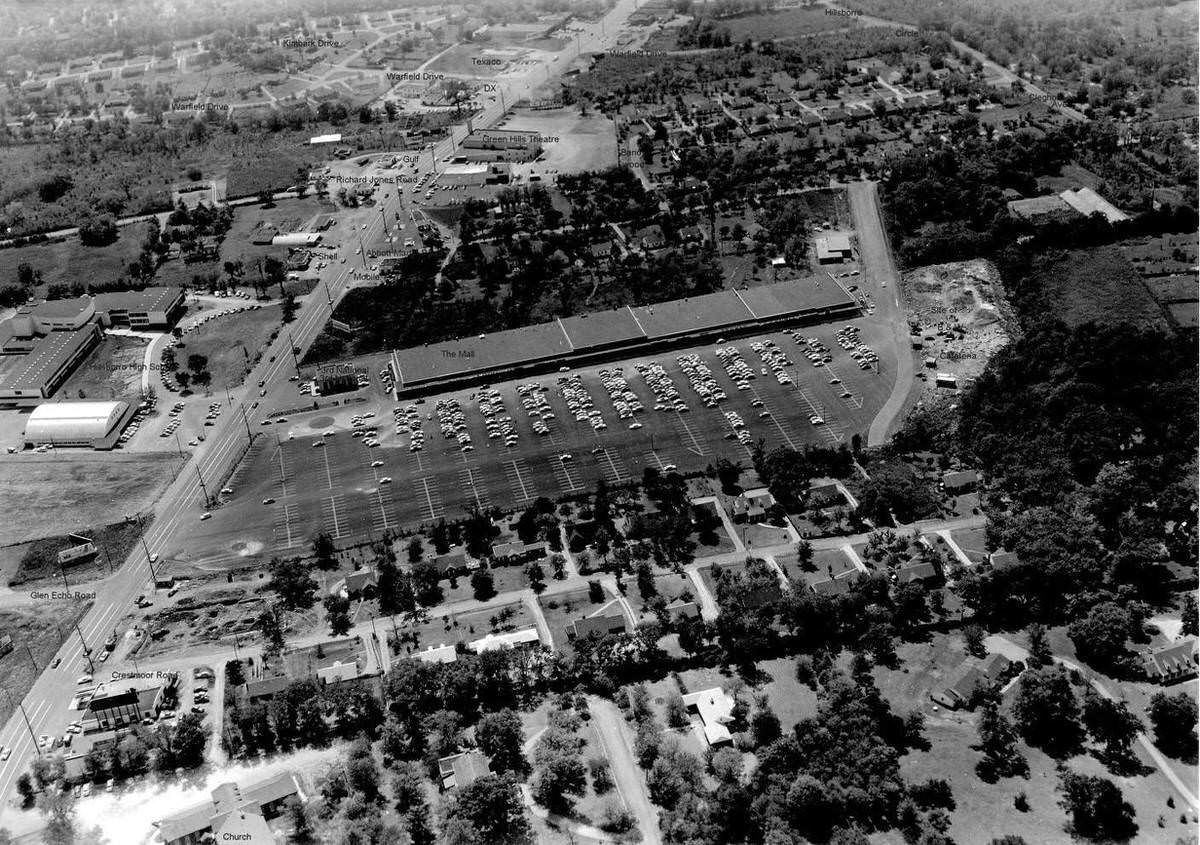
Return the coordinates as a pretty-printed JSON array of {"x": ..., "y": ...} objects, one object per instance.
[
  {"x": 387, "y": 479},
  {"x": 376, "y": 463},
  {"x": 205, "y": 515}
]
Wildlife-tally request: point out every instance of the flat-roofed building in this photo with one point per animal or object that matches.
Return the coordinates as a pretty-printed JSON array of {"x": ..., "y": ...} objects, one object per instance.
[
  {"x": 833, "y": 249},
  {"x": 33, "y": 366},
  {"x": 153, "y": 307}
]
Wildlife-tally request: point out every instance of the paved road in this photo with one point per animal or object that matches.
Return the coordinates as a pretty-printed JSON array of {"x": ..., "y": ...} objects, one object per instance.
[
  {"x": 879, "y": 271},
  {"x": 46, "y": 703},
  {"x": 1013, "y": 651},
  {"x": 610, "y": 725}
]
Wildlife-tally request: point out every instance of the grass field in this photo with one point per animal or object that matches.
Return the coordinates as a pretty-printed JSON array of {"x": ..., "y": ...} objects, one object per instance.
[
  {"x": 670, "y": 586},
  {"x": 48, "y": 496},
  {"x": 1098, "y": 285},
  {"x": 70, "y": 261},
  {"x": 112, "y": 371},
  {"x": 232, "y": 343},
  {"x": 41, "y": 627},
  {"x": 562, "y": 609}
]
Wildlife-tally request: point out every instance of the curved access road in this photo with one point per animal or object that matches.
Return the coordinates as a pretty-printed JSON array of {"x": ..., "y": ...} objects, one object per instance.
[{"x": 883, "y": 280}]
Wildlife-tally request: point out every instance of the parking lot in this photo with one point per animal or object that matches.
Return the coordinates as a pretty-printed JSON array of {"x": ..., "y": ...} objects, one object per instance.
[{"x": 357, "y": 476}]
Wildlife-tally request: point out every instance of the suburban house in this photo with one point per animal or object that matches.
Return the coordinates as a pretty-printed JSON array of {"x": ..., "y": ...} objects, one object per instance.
[
  {"x": 918, "y": 571},
  {"x": 836, "y": 586},
  {"x": 680, "y": 609},
  {"x": 969, "y": 676},
  {"x": 518, "y": 552},
  {"x": 715, "y": 709},
  {"x": 1174, "y": 662},
  {"x": 511, "y": 639},
  {"x": 1000, "y": 559},
  {"x": 462, "y": 769},
  {"x": 609, "y": 619},
  {"x": 960, "y": 481},
  {"x": 362, "y": 583},
  {"x": 234, "y": 814},
  {"x": 451, "y": 562},
  {"x": 437, "y": 654}
]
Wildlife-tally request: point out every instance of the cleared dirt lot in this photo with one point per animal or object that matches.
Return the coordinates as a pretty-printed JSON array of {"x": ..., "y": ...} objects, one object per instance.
[
  {"x": 333, "y": 487},
  {"x": 573, "y": 144}
]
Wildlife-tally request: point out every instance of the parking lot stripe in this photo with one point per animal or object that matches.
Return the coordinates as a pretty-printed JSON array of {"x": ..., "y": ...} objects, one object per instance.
[
  {"x": 431, "y": 509},
  {"x": 333, "y": 514},
  {"x": 696, "y": 447},
  {"x": 513, "y": 471}
]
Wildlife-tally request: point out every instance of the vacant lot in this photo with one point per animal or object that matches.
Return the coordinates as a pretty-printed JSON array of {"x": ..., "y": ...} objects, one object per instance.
[
  {"x": 40, "y": 627},
  {"x": 232, "y": 343},
  {"x": 70, "y": 261},
  {"x": 572, "y": 143},
  {"x": 112, "y": 371},
  {"x": 38, "y": 560},
  {"x": 1098, "y": 285},
  {"x": 45, "y": 496}
]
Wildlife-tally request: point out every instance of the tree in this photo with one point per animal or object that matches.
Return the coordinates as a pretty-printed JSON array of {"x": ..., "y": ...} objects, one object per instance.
[
  {"x": 483, "y": 584},
  {"x": 395, "y": 588},
  {"x": 408, "y": 785},
  {"x": 324, "y": 551},
  {"x": 426, "y": 580},
  {"x": 1039, "y": 646},
  {"x": 501, "y": 737},
  {"x": 764, "y": 724},
  {"x": 187, "y": 740},
  {"x": 677, "y": 713},
  {"x": 25, "y": 790},
  {"x": 98, "y": 230},
  {"x": 536, "y": 576},
  {"x": 559, "y": 775},
  {"x": 493, "y": 809},
  {"x": 59, "y": 809},
  {"x": 302, "y": 832},
  {"x": 416, "y": 822},
  {"x": 272, "y": 632},
  {"x": 998, "y": 742},
  {"x": 595, "y": 592},
  {"x": 1112, "y": 724},
  {"x": 1096, "y": 806},
  {"x": 1100, "y": 637},
  {"x": 1173, "y": 719},
  {"x": 1189, "y": 615},
  {"x": 416, "y": 549},
  {"x": 973, "y": 635},
  {"x": 1046, "y": 711},
  {"x": 337, "y": 613},
  {"x": 288, "y": 308},
  {"x": 804, "y": 556},
  {"x": 292, "y": 583},
  {"x": 601, "y": 773}
]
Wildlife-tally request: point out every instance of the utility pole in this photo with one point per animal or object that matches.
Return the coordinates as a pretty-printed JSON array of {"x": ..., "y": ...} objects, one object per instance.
[
  {"x": 177, "y": 444},
  {"x": 202, "y": 487},
  {"x": 292, "y": 347},
  {"x": 21, "y": 704},
  {"x": 249, "y": 436},
  {"x": 63, "y": 573},
  {"x": 149, "y": 560}
]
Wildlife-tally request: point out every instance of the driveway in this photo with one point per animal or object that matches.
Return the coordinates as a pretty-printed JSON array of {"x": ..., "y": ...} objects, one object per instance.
[{"x": 632, "y": 787}]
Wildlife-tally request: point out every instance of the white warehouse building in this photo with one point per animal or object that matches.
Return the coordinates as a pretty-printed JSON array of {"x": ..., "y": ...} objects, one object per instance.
[{"x": 94, "y": 424}]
